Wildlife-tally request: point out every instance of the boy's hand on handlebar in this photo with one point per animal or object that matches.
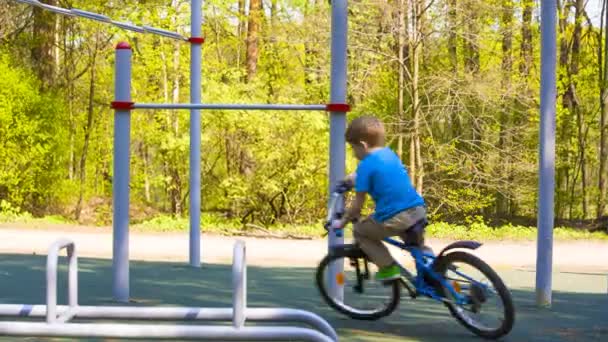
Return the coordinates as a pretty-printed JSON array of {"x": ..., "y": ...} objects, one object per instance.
[
  {"x": 345, "y": 185},
  {"x": 338, "y": 224},
  {"x": 350, "y": 179}
]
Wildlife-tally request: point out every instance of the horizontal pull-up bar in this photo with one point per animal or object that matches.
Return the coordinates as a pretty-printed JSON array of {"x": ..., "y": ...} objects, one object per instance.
[
  {"x": 334, "y": 107},
  {"x": 74, "y": 12}
]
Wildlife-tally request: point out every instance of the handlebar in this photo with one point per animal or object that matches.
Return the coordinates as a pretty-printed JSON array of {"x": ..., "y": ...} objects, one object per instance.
[
  {"x": 343, "y": 187},
  {"x": 333, "y": 213}
]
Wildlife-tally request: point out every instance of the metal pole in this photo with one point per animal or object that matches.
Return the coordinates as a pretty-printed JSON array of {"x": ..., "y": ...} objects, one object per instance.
[
  {"x": 239, "y": 285},
  {"x": 161, "y": 331},
  {"x": 174, "y": 313},
  {"x": 74, "y": 12},
  {"x": 544, "y": 253},
  {"x": 120, "y": 184},
  {"x": 195, "y": 134},
  {"x": 51, "y": 282},
  {"x": 337, "y": 145},
  {"x": 218, "y": 106}
]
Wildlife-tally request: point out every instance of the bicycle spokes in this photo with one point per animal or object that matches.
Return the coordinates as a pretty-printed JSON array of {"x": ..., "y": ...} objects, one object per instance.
[{"x": 475, "y": 298}]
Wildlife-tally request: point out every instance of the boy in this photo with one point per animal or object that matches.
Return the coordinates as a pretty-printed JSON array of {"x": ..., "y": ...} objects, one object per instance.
[{"x": 382, "y": 175}]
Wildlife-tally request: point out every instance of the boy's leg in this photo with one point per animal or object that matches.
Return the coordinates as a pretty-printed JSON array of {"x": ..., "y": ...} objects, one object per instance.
[{"x": 369, "y": 233}]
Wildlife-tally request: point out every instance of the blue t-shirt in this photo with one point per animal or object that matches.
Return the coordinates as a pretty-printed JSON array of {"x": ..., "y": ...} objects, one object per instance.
[{"x": 384, "y": 177}]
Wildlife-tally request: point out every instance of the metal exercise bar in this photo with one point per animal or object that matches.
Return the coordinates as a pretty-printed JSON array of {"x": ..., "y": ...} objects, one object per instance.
[
  {"x": 120, "y": 183},
  {"x": 74, "y": 12},
  {"x": 239, "y": 285},
  {"x": 174, "y": 314},
  {"x": 337, "y": 124},
  {"x": 196, "y": 24},
  {"x": 238, "y": 314},
  {"x": 51, "y": 282},
  {"x": 210, "y": 106},
  {"x": 147, "y": 331},
  {"x": 546, "y": 167}
]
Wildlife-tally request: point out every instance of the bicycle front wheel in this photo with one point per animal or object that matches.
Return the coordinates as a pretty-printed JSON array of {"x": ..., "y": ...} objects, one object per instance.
[{"x": 364, "y": 298}]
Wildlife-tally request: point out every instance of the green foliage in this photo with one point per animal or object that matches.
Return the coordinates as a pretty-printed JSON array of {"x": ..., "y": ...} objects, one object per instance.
[
  {"x": 478, "y": 129},
  {"x": 32, "y": 136},
  {"x": 479, "y": 231}
]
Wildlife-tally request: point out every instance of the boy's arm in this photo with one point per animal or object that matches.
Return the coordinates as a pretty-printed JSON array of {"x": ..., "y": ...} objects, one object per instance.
[{"x": 355, "y": 209}]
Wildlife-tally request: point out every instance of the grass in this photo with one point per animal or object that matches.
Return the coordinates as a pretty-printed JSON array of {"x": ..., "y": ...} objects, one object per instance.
[
  {"x": 441, "y": 230},
  {"x": 482, "y": 232},
  {"x": 216, "y": 224}
]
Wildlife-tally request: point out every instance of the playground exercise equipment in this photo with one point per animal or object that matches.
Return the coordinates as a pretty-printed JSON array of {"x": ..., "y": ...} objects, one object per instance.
[
  {"x": 59, "y": 317},
  {"x": 122, "y": 105},
  {"x": 338, "y": 109}
]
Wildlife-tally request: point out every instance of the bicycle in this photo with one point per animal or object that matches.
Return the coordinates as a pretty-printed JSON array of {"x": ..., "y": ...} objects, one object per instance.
[{"x": 441, "y": 277}]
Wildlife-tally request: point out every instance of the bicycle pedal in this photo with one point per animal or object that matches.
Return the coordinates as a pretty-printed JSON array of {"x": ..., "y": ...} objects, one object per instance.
[{"x": 411, "y": 292}]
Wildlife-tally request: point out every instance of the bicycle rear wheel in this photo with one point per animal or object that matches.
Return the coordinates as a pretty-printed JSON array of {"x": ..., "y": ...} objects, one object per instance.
[
  {"x": 489, "y": 311},
  {"x": 364, "y": 297}
]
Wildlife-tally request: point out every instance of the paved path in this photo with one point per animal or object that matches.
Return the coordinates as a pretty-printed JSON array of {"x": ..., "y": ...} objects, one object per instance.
[
  {"x": 579, "y": 311},
  {"x": 275, "y": 252}
]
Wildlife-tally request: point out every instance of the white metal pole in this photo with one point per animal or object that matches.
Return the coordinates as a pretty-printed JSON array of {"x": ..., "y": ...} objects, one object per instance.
[
  {"x": 174, "y": 314},
  {"x": 219, "y": 106},
  {"x": 195, "y": 133},
  {"x": 161, "y": 331},
  {"x": 239, "y": 285},
  {"x": 544, "y": 252},
  {"x": 120, "y": 183},
  {"x": 337, "y": 145}
]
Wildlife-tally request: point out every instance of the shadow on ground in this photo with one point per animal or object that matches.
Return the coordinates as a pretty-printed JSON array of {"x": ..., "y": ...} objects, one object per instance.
[{"x": 579, "y": 311}]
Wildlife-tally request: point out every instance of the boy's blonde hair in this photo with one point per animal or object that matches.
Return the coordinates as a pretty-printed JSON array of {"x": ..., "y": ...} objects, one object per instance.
[{"x": 368, "y": 129}]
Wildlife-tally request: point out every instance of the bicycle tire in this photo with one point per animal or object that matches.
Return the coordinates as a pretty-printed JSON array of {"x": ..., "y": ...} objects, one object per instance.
[
  {"x": 441, "y": 267},
  {"x": 385, "y": 311}
]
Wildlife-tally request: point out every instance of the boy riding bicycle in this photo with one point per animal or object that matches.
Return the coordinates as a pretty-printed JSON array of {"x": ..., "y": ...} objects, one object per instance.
[{"x": 381, "y": 174}]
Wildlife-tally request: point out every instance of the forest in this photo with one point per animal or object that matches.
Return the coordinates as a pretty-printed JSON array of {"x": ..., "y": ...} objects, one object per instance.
[{"x": 456, "y": 83}]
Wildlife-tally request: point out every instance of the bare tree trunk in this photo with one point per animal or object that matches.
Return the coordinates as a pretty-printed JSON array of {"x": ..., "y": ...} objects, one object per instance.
[
  {"x": 401, "y": 64},
  {"x": 453, "y": 35},
  {"x": 70, "y": 87},
  {"x": 576, "y": 47},
  {"x": 164, "y": 120},
  {"x": 273, "y": 17},
  {"x": 507, "y": 68},
  {"x": 43, "y": 50},
  {"x": 526, "y": 40},
  {"x": 563, "y": 171},
  {"x": 471, "y": 39},
  {"x": 241, "y": 29},
  {"x": 176, "y": 181},
  {"x": 312, "y": 46},
  {"x": 69, "y": 81},
  {"x": 603, "y": 172},
  {"x": 146, "y": 160},
  {"x": 253, "y": 31},
  {"x": 416, "y": 52},
  {"x": 87, "y": 130},
  {"x": 454, "y": 129}
]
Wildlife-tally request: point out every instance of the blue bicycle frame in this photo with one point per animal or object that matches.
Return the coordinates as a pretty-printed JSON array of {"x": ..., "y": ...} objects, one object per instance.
[{"x": 424, "y": 265}]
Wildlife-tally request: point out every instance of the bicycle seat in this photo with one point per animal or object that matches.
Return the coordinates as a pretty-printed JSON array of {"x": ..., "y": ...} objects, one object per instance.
[{"x": 414, "y": 236}]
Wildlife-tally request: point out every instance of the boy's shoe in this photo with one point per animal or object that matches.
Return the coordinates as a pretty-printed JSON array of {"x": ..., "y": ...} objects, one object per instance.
[{"x": 388, "y": 273}]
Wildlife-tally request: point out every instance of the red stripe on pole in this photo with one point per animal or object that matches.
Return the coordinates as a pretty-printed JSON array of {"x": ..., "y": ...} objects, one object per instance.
[
  {"x": 196, "y": 40},
  {"x": 337, "y": 107},
  {"x": 122, "y": 105},
  {"x": 123, "y": 46}
]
